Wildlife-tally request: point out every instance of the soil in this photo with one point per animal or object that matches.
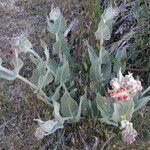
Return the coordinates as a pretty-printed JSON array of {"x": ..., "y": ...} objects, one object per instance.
[{"x": 18, "y": 105}]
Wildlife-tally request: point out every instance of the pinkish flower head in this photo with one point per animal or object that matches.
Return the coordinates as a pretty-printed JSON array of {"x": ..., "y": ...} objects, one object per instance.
[
  {"x": 39, "y": 133},
  {"x": 128, "y": 135},
  {"x": 114, "y": 83},
  {"x": 124, "y": 88}
]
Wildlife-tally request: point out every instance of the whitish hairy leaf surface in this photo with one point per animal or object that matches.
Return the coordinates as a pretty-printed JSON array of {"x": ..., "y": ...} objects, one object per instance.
[
  {"x": 39, "y": 77},
  {"x": 104, "y": 105},
  {"x": 105, "y": 25},
  {"x": 51, "y": 126},
  {"x": 109, "y": 121},
  {"x": 8, "y": 74},
  {"x": 55, "y": 13},
  {"x": 103, "y": 32},
  {"x": 56, "y": 22},
  {"x": 56, "y": 112},
  {"x": 120, "y": 60},
  {"x": 69, "y": 106},
  {"x": 139, "y": 103},
  {"x": 123, "y": 110},
  {"x": 95, "y": 70},
  {"x": 109, "y": 14},
  {"x": 18, "y": 63},
  {"x": 61, "y": 45},
  {"x": 46, "y": 51},
  {"x": 78, "y": 116},
  {"x": 92, "y": 55},
  {"x": 106, "y": 66},
  {"x": 63, "y": 73},
  {"x": 86, "y": 105},
  {"x": 56, "y": 95},
  {"x": 23, "y": 44},
  {"x": 95, "y": 85},
  {"x": 53, "y": 65}
]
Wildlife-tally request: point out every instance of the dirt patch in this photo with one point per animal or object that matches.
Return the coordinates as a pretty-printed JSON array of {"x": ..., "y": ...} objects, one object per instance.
[{"x": 18, "y": 105}]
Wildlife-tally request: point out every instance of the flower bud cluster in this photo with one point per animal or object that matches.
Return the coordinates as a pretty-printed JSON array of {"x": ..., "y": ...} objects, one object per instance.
[
  {"x": 124, "y": 88},
  {"x": 39, "y": 133},
  {"x": 129, "y": 133}
]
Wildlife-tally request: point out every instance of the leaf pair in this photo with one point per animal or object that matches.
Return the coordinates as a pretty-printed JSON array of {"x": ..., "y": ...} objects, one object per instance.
[
  {"x": 41, "y": 76},
  {"x": 70, "y": 108},
  {"x": 100, "y": 69},
  {"x": 105, "y": 25}
]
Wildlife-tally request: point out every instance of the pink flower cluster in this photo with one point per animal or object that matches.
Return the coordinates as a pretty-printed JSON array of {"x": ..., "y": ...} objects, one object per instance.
[
  {"x": 124, "y": 88},
  {"x": 128, "y": 135},
  {"x": 39, "y": 133}
]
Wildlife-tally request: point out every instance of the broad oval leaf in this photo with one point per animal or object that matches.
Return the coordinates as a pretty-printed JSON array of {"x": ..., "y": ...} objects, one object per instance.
[
  {"x": 61, "y": 45},
  {"x": 92, "y": 55},
  {"x": 104, "y": 105},
  {"x": 123, "y": 110},
  {"x": 103, "y": 32},
  {"x": 56, "y": 22},
  {"x": 23, "y": 44},
  {"x": 51, "y": 126},
  {"x": 69, "y": 106},
  {"x": 63, "y": 73},
  {"x": 40, "y": 77}
]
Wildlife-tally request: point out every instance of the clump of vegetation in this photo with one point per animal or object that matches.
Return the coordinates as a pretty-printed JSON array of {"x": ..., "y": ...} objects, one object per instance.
[{"x": 93, "y": 99}]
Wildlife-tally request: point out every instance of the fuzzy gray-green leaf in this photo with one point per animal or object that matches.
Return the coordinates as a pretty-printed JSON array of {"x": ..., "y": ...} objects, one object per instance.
[
  {"x": 78, "y": 116},
  {"x": 39, "y": 77},
  {"x": 61, "y": 45},
  {"x": 104, "y": 105},
  {"x": 46, "y": 51},
  {"x": 56, "y": 22},
  {"x": 69, "y": 106},
  {"x": 123, "y": 110},
  {"x": 103, "y": 32},
  {"x": 51, "y": 126},
  {"x": 6, "y": 73},
  {"x": 95, "y": 70},
  {"x": 63, "y": 73},
  {"x": 56, "y": 95},
  {"x": 139, "y": 103},
  {"x": 92, "y": 55},
  {"x": 24, "y": 45}
]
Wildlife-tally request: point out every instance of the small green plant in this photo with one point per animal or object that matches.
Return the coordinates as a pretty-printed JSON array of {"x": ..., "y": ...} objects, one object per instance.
[{"x": 114, "y": 107}]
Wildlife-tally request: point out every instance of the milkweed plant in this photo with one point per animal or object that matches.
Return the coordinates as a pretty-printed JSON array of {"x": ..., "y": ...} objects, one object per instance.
[{"x": 116, "y": 98}]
